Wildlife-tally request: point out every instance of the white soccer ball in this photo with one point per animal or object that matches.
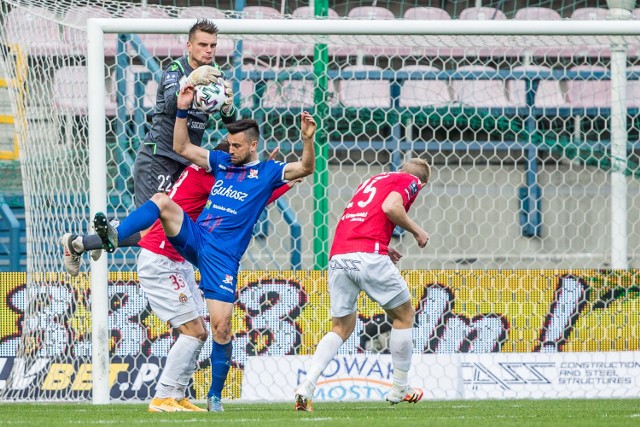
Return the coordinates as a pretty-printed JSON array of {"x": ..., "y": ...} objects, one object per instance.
[{"x": 210, "y": 98}]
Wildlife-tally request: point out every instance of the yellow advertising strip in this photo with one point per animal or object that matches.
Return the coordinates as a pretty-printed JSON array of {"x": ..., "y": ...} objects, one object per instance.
[{"x": 507, "y": 311}]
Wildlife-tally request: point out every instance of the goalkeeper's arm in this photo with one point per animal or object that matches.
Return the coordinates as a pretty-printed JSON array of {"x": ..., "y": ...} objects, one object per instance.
[{"x": 181, "y": 142}]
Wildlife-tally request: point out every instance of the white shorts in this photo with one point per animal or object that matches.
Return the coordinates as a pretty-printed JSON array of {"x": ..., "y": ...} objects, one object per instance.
[
  {"x": 170, "y": 287},
  {"x": 374, "y": 274}
]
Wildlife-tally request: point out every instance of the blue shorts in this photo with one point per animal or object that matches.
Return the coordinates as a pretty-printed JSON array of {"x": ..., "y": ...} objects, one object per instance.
[{"x": 218, "y": 271}]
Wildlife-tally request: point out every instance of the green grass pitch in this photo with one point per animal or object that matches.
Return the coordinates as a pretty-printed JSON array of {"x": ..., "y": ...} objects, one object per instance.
[{"x": 602, "y": 412}]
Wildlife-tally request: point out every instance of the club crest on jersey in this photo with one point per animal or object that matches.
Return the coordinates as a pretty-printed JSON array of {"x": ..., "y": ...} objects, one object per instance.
[
  {"x": 182, "y": 298},
  {"x": 413, "y": 188},
  {"x": 253, "y": 173},
  {"x": 228, "y": 279}
]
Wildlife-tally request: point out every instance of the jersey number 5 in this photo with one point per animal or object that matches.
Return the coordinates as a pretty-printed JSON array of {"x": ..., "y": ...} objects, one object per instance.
[{"x": 368, "y": 187}]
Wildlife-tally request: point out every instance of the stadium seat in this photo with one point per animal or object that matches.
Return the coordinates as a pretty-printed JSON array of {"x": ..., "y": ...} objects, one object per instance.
[
  {"x": 77, "y": 18},
  {"x": 370, "y": 12},
  {"x": 482, "y": 14},
  {"x": 266, "y": 46},
  {"x": 480, "y": 93},
  {"x": 248, "y": 87},
  {"x": 161, "y": 45},
  {"x": 70, "y": 88},
  {"x": 150, "y": 90},
  {"x": 261, "y": 12},
  {"x": 633, "y": 89},
  {"x": 375, "y": 12},
  {"x": 537, "y": 14},
  {"x": 364, "y": 93},
  {"x": 430, "y": 13},
  {"x": 423, "y": 93},
  {"x": 287, "y": 93},
  {"x": 548, "y": 95},
  {"x": 226, "y": 45},
  {"x": 589, "y": 93},
  {"x": 304, "y": 12},
  {"x": 36, "y": 31},
  {"x": 426, "y": 13},
  {"x": 590, "y": 13}
]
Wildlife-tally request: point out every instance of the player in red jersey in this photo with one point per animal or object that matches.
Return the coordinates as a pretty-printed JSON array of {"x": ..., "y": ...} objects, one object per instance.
[
  {"x": 361, "y": 260},
  {"x": 169, "y": 284}
]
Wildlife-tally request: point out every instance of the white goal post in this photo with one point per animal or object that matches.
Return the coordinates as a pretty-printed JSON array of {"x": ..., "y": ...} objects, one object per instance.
[{"x": 96, "y": 28}]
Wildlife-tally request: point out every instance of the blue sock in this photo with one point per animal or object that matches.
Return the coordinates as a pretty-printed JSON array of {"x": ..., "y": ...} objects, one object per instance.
[
  {"x": 220, "y": 363},
  {"x": 138, "y": 220}
]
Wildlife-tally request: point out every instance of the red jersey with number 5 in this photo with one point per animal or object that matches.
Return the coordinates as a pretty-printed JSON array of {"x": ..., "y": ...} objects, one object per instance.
[{"x": 363, "y": 226}]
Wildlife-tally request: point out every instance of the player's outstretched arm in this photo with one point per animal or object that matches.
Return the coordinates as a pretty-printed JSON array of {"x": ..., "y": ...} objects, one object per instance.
[
  {"x": 307, "y": 164},
  {"x": 181, "y": 142},
  {"x": 393, "y": 208}
]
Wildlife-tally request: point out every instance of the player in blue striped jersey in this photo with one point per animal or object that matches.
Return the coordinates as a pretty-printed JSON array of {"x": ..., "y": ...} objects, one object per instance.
[{"x": 216, "y": 242}]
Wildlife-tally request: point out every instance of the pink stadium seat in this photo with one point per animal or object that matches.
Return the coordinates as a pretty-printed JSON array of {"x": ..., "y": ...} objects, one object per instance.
[
  {"x": 426, "y": 13},
  {"x": 482, "y": 14},
  {"x": 248, "y": 87},
  {"x": 548, "y": 95},
  {"x": 589, "y": 93},
  {"x": 35, "y": 30},
  {"x": 374, "y": 12},
  {"x": 289, "y": 93},
  {"x": 480, "y": 93},
  {"x": 198, "y": 12},
  {"x": 226, "y": 45},
  {"x": 590, "y": 13},
  {"x": 423, "y": 93},
  {"x": 70, "y": 88},
  {"x": 304, "y": 12},
  {"x": 370, "y": 12},
  {"x": 150, "y": 90},
  {"x": 537, "y": 14},
  {"x": 77, "y": 18},
  {"x": 633, "y": 90},
  {"x": 265, "y": 46},
  {"x": 156, "y": 44},
  {"x": 261, "y": 12},
  {"x": 365, "y": 93}
]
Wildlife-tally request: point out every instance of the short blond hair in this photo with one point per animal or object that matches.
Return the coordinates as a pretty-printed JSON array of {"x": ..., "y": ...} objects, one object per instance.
[{"x": 419, "y": 168}]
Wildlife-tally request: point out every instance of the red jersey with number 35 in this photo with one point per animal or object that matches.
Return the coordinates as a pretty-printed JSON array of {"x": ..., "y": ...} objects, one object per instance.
[
  {"x": 363, "y": 226},
  {"x": 190, "y": 192}
]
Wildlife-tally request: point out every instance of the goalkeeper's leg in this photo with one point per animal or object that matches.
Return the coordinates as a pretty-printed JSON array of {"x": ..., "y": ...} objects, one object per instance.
[{"x": 327, "y": 348}]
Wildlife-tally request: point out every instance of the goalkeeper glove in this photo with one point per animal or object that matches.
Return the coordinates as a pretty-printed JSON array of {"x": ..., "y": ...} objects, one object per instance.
[
  {"x": 228, "y": 108},
  {"x": 202, "y": 75}
]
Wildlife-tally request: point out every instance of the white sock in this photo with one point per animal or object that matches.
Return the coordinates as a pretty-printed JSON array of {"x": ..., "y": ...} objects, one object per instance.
[
  {"x": 401, "y": 346},
  {"x": 183, "y": 380},
  {"x": 180, "y": 359},
  {"x": 325, "y": 351}
]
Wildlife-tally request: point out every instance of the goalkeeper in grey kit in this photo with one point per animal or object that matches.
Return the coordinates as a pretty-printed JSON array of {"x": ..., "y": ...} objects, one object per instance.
[{"x": 157, "y": 166}]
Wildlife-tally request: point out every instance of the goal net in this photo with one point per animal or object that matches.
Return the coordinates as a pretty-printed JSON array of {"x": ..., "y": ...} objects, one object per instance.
[{"x": 533, "y": 140}]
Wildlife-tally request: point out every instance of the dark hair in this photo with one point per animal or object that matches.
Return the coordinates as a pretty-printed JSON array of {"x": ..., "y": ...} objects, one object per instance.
[
  {"x": 203, "y": 25},
  {"x": 249, "y": 127},
  {"x": 223, "y": 145}
]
